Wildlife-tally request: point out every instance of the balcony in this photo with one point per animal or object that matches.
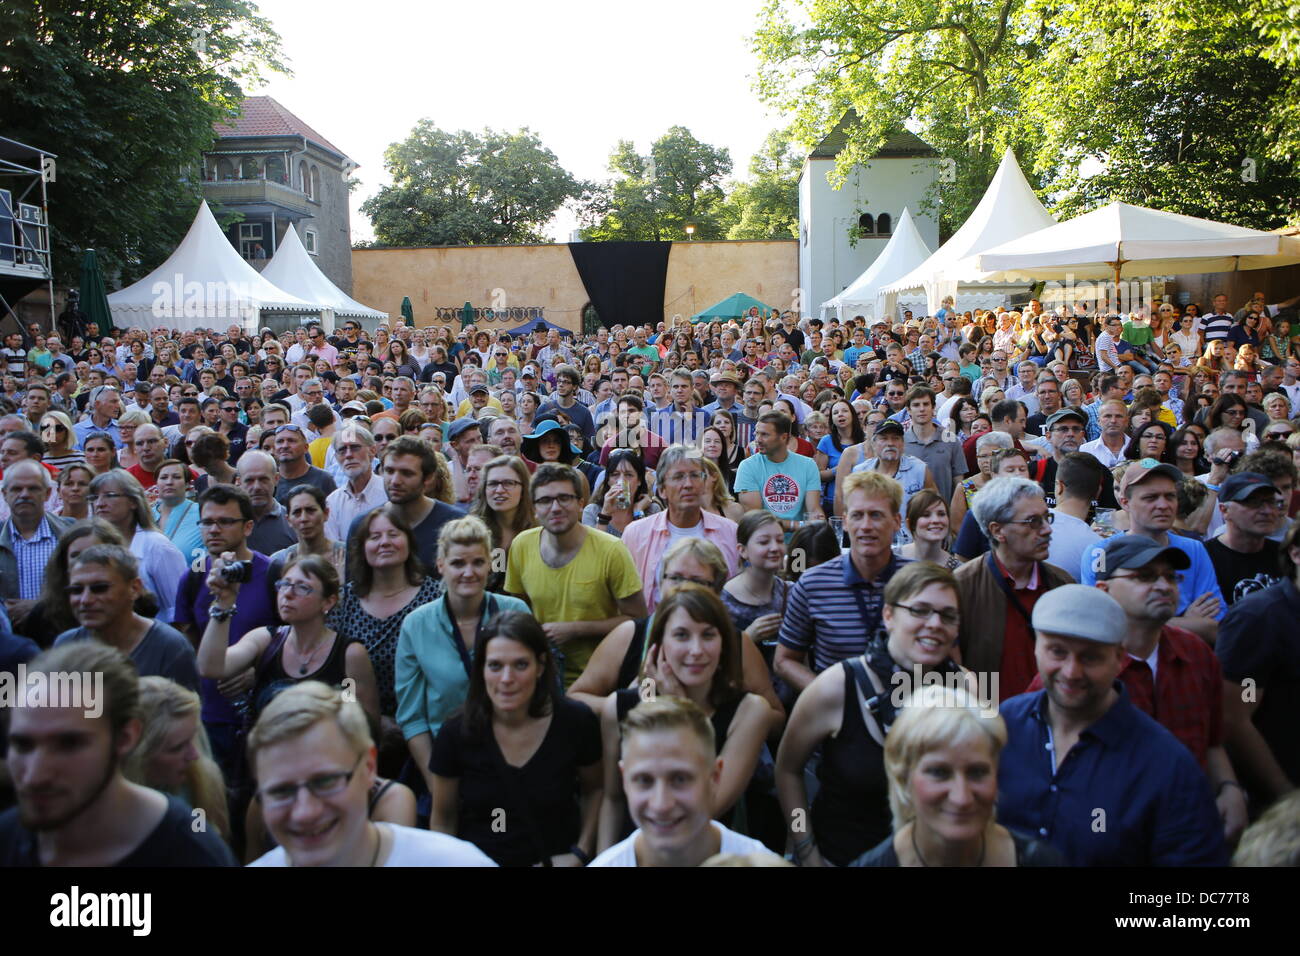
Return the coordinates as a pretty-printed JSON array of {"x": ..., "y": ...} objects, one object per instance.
[{"x": 260, "y": 196}]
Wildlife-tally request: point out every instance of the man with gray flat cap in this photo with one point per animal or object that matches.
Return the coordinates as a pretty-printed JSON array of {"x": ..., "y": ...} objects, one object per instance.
[
  {"x": 1085, "y": 769},
  {"x": 1170, "y": 674}
]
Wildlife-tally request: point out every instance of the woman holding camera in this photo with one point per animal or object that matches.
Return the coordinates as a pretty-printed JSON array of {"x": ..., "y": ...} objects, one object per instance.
[{"x": 303, "y": 649}]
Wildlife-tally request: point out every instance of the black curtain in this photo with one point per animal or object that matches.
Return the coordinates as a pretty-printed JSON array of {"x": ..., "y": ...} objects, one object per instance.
[{"x": 625, "y": 280}]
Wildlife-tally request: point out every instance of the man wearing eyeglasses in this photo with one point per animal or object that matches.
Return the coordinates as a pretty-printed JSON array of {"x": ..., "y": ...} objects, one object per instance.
[
  {"x": 1245, "y": 558},
  {"x": 580, "y": 582},
  {"x": 27, "y": 538},
  {"x": 1000, "y": 589},
  {"x": 227, "y": 520},
  {"x": 103, "y": 585},
  {"x": 680, "y": 480}
]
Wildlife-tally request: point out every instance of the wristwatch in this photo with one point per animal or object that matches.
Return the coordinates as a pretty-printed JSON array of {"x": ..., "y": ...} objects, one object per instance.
[{"x": 218, "y": 613}]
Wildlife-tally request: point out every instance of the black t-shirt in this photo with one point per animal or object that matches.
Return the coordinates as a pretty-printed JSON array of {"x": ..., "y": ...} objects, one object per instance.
[
  {"x": 1241, "y": 575},
  {"x": 1259, "y": 640},
  {"x": 548, "y": 782},
  {"x": 172, "y": 843},
  {"x": 446, "y": 368}
]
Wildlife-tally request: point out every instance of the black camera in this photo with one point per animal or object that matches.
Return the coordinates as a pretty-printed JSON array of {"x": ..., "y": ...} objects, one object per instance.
[{"x": 238, "y": 572}]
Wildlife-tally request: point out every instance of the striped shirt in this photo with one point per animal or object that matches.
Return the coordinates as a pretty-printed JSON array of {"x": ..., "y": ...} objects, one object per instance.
[
  {"x": 32, "y": 555},
  {"x": 833, "y": 612},
  {"x": 676, "y": 427},
  {"x": 1217, "y": 325}
]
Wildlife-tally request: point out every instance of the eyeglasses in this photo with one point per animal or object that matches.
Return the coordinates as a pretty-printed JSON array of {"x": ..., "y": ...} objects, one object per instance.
[
  {"x": 219, "y": 522},
  {"x": 98, "y": 587},
  {"x": 685, "y": 579},
  {"x": 1151, "y": 577},
  {"x": 565, "y": 500},
  {"x": 1036, "y": 522},
  {"x": 321, "y": 785},
  {"x": 231, "y": 408},
  {"x": 923, "y": 612},
  {"x": 105, "y": 496},
  {"x": 497, "y": 484},
  {"x": 55, "y": 425},
  {"x": 1269, "y": 504},
  {"x": 297, "y": 587},
  {"x": 684, "y": 477},
  {"x": 288, "y": 428}
]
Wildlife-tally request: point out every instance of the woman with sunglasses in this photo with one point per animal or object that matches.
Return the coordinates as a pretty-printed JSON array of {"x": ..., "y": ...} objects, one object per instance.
[
  {"x": 119, "y": 499},
  {"x": 304, "y": 649},
  {"x": 60, "y": 443}
]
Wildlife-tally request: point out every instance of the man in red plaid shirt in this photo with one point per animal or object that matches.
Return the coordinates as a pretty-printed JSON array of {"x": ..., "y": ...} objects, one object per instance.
[{"x": 1169, "y": 672}]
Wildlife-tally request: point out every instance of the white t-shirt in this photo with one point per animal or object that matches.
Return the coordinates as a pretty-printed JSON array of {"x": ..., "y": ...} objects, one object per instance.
[
  {"x": 411, "y": 847},
  {"x": 1071, "y": 539},
  {"x": 624, "y": 853}
]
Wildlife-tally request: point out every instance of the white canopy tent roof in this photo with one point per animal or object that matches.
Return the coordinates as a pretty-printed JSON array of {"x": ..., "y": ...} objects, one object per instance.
[
  {"x": 1119, "y": 241},
  {"x": 292, "y": 269},
  {"x": 905, "y": 251},
  {"x": 1008, "y": 210},
  {"x": 203, "y": 284}
]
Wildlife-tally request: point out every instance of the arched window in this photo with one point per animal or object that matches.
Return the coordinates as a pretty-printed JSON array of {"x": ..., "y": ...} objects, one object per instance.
[
  {"x": 866, "y": 225},
  {"x": 314, "y": 192},
  {"x": 249, "y": 168},
  {"x": 304, "y": 179},
  {"x": 275, "y": 169},
  {"x": 225, "y": 169},
  {"x": 883, "y": 224}
]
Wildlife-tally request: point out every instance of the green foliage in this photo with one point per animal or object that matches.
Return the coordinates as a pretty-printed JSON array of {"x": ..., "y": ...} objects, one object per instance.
[
  {"x": 1170, "y": 98},
  {"x": 118, "y": 90},
  {"x": 462, "y": 188},
  {"x": 654, "y": 197},
  {"x": 767, "y": 206}
]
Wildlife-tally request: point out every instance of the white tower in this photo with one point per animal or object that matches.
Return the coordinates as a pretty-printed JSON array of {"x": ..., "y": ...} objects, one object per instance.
[{"x": 870, "y": 202}]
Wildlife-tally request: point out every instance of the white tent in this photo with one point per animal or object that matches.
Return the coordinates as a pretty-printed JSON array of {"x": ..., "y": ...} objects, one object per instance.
[
  {"x": 1119, "y": 241},
  {"x": 203, "y": 284},
  {"x": 292, "y": 269},
  {"x": 905, "y": 251},
  {"x": 1008, "y": 210}
]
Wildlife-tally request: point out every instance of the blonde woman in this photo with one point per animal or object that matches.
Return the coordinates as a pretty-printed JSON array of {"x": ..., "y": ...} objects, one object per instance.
[
  {"x": 173, "y": 755},
  {"x": 127, "y": 423},
  {"x": 719, "y": 499},
  {"x": 60, "y": 444},
  {"x": 941, "y": 763}
]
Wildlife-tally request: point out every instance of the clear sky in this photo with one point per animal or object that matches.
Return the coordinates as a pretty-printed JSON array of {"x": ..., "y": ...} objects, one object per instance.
[{"x": 581, "y": 74}]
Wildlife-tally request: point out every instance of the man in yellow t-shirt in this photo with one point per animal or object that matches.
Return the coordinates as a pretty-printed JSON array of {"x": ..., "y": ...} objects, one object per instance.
[{"x": 580, "y": 582}]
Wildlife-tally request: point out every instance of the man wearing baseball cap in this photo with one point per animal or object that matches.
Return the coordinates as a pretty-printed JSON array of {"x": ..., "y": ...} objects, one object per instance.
[
  {"x": 1085, "y": 769},
  {"x": 1148, "y": 494},
  {"x": 1245, "y": 558},
  {"x": 1170, "y": 673}
]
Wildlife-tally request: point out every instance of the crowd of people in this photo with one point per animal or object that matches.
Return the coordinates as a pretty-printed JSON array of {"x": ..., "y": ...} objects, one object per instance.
[{"x": 994, "y": 588}]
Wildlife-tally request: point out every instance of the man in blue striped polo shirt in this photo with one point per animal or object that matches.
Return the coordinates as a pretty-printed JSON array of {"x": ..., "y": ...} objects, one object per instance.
[{"x": 835, "y": 608}]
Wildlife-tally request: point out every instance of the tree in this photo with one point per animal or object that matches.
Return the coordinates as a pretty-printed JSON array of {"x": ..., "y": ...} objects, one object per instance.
[
  {"x": 461, "y": 188},
  {"x": 1174, "y": 100},
  {"x": 654, "y": 197},
  {"x": 126, "y": 93},
  {"x": 767, "y": 207}
]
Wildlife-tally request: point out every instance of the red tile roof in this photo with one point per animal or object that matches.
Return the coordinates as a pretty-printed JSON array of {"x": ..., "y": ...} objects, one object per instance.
[{"x": 263, "y": 116}]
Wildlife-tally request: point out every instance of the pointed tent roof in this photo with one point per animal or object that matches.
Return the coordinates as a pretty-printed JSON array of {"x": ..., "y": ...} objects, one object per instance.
[
  {"x": 905, "y": 251},
  {"x": 292, "y": 269},
  {"x": 1008, "y": 210},
  {"x": 203, "y": 283},
  {"x": 732, "y": 307},
  {"x": 1140, "y": 242}
]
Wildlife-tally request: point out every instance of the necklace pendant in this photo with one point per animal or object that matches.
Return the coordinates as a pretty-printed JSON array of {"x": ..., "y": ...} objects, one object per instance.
[{"x": 302, "y": 669}]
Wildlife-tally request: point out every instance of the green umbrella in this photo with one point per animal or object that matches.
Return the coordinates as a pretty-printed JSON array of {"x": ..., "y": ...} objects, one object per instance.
[
  {"x": 408, "y": 313},
  {"x": 732, "y": 307},
  {"x": 94, "y": 298},
  {"x": 466, "y": 315}
]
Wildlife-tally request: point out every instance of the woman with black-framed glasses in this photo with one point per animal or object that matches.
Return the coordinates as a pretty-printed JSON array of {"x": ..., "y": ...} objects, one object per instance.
[
  {"x": 848, "y": 710},
  {"x": 118, "y": 498},
  {"x": 304, "y": 649}
]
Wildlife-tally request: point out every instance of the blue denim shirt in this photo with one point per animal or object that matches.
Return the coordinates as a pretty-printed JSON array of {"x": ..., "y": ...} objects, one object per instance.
[{"x": 1127, "y": 794}]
